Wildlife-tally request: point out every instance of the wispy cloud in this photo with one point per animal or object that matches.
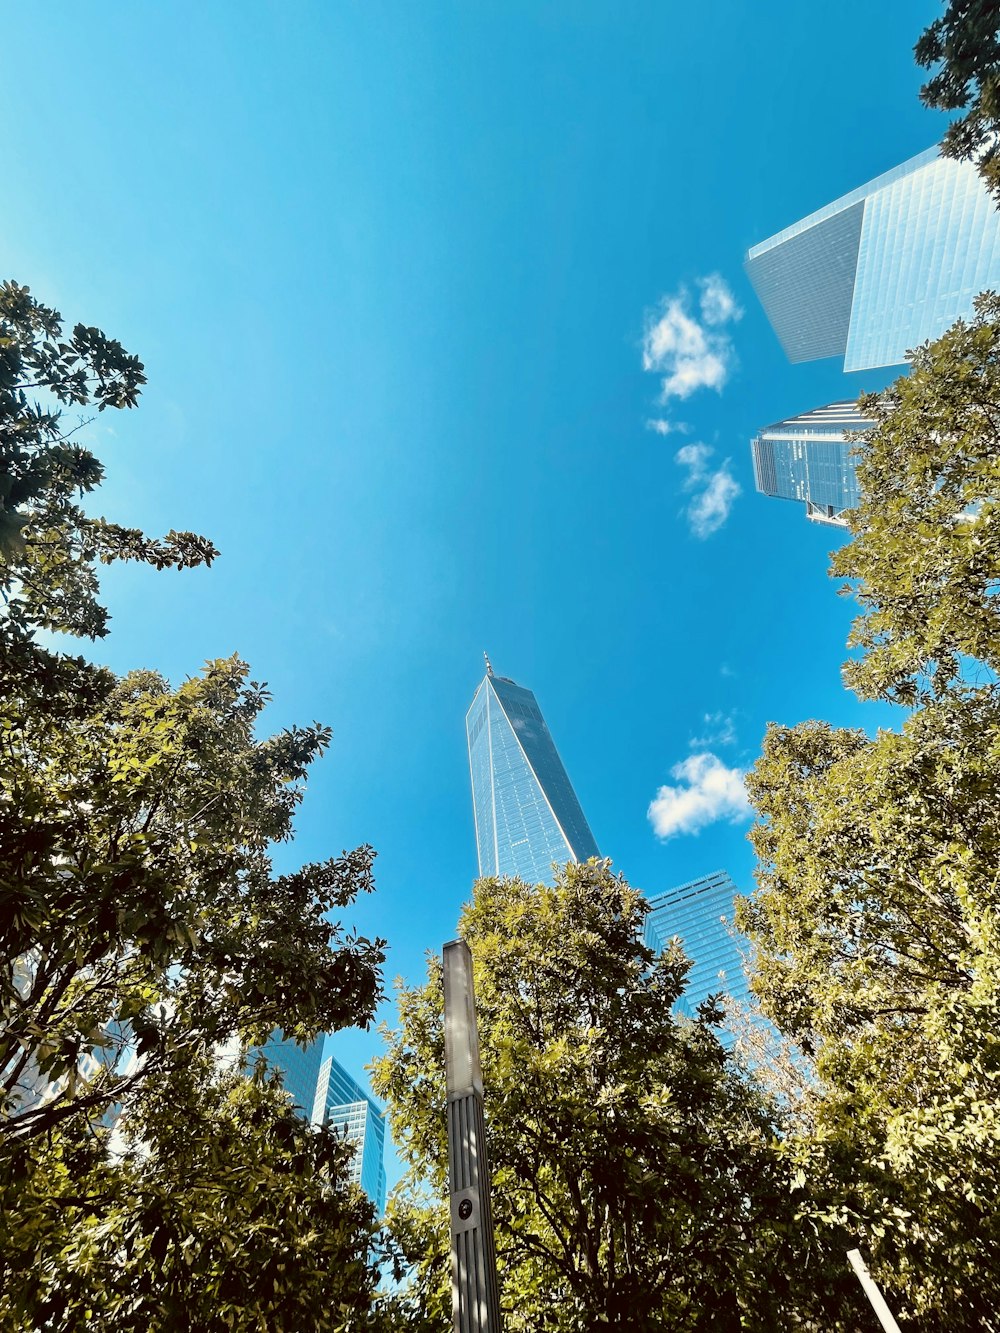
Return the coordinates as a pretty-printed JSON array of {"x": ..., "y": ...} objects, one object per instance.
[
  {"x": 664, "y": 427},
  {"x": 718, "y": 305},
  {"x": 720, "y": 730},
  {"x": 707, "y": 792},
  {"x": 691, "y": 348},
  {"x": 713, "y": 491}
]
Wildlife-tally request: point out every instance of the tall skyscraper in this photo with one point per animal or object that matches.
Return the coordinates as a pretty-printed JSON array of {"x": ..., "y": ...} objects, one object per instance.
[
  {"x": 526, "y": 811},
  {"x": 806, "y": 458},
  {"x": 299, "y": 1067},
  {"x": 698, "y": 913},
  {"x": 881, "y": 270},
  {"x": 344, "y": 1106}
]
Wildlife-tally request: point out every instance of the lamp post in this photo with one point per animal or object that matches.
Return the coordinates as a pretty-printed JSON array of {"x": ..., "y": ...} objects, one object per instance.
[
  {"x": 475, "y": 1300},
  {"x": 872, "y": 1291}
]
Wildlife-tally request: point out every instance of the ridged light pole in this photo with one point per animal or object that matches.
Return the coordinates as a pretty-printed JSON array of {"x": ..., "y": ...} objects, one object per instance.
[{"x": 475, "y": 1300}]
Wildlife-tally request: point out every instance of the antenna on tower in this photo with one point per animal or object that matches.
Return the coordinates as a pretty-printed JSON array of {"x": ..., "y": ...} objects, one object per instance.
[{"x": 489, "y": 665}]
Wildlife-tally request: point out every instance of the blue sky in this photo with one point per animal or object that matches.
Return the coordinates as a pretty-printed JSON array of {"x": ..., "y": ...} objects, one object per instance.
[{"x": 392, "y": 269}]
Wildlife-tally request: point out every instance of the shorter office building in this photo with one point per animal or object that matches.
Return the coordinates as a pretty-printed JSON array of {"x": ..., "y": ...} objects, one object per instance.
[
  {"x": 700, "y": 915},
  {"x": 345, "y": 1107},
  {"x": 808, "y": 459}
]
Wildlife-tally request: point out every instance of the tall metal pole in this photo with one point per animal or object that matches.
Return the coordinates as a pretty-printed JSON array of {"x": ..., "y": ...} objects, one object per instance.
[
  {"x": 475, "y": 1300},
  {"x": 871, "y": 1290}
]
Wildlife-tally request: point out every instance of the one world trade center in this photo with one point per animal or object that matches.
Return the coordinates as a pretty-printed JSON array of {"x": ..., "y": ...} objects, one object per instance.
[{"x": 526, "y": 811}]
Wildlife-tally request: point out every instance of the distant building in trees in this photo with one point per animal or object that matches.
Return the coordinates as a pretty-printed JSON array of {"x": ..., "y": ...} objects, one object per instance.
[
  {"x": 526, "y": 811},
  {"x": 700, "y": 914},
  {"x": 299, "y": 1068},
  {"x": 884, "y": 268},
  {"x": 806, "y": 458},
  {"x": 344, "y": 1106},
  {"x": 324, "y": 1093}
]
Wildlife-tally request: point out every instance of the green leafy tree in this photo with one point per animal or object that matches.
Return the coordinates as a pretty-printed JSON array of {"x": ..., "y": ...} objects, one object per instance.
[
  {"x": 875, "y": 918},
  {"x": 138, "y": 908},
  {"x": 637, "y": 1183},
  {"x": 143, "y": 932},
  {"x": 925, "y": 548},
  {"x": 964, "y": 46},
  {"x": 213, "y": 1206},
  {"x": 877, "y": 950},
  {"x": 49, "y": 545}
]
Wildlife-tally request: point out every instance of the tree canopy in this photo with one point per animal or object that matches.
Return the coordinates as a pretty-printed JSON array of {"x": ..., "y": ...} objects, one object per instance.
[
  {"x": 215, "y": 1206},
  {"x": 637, "y": 1181},
  {"x": 49, "y": 545},
  {"x": 963, "y": 48},
  {"x": 144, "y": 935},
  {"x": 925, "y": 548},
  {"x": 875, "y": 926},
  {"x": 138, "y": 909},
  {"x": 874, "y": 921}
]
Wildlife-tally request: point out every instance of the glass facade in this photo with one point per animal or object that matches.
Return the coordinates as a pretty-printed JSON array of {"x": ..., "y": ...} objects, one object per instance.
[
  {"x": 344, "y": 1105},
  {"x": 806, "y": 458},
  {"x": 526, "y": 811},
  {"x": 699, "y": 913},
  {"x": 299, "y": 1067},
  {"x": 882, "y": 269}
]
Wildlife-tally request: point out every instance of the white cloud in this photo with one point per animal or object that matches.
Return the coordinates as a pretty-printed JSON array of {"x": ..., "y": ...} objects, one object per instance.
[
  {"x": 688, "y": 353},
  {"x": 708, "y": 791},
  {"x": 714, "y": 492},
  {"x": 695, "y": 457},
  {"x": 721, "y": 730},
  {"x": 718, "y": 305},
  {"x": 663, "y": 427},
  {"x": 710, "y": 508}
]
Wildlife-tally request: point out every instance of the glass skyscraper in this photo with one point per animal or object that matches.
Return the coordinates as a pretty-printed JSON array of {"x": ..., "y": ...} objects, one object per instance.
[
  {"x": 698, "y": 913},
  {"x": 299, "y": 1067},
  {"x": 806, "y": 458},
  {"x": 324, "y": 1093},
  {"x": 882, "y": 269},
  {"x": 345, "y": 1107},
  {"x": 526, "y": 811}
]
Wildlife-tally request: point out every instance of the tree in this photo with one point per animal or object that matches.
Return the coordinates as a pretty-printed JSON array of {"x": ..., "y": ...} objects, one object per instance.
[
  {"x": 875, "y": 918},
  {"x": 218, "y": 1208},
  {"x": 143, "y": 932},
  {"x": 636, "y": 1181},
  {"x": 49, "y": 545},
  {"x": 965, "y": 43},
  {"x": 877, "y": 949},
  {"x": 138, "y": 909},
  {"x": 925, "y": 545}
]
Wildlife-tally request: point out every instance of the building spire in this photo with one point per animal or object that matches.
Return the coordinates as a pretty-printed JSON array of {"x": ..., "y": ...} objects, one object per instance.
[{"x": 489, "y": 664}]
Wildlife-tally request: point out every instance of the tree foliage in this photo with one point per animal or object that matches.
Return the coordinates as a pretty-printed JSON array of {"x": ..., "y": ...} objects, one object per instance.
[
  {"x": 636, "y": 1181},
  {"x": 143, "y": 932},
  {"x": 875, "y": 925},
  {"x": 138, "y": 908},
  {"x": 211, "y": 1206},
  {"x": 49, "y": 545},
  {"x": 964, "y": 44},
  {"x": 926, "y": 535},
  {"x": 875, "y": 920}
]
